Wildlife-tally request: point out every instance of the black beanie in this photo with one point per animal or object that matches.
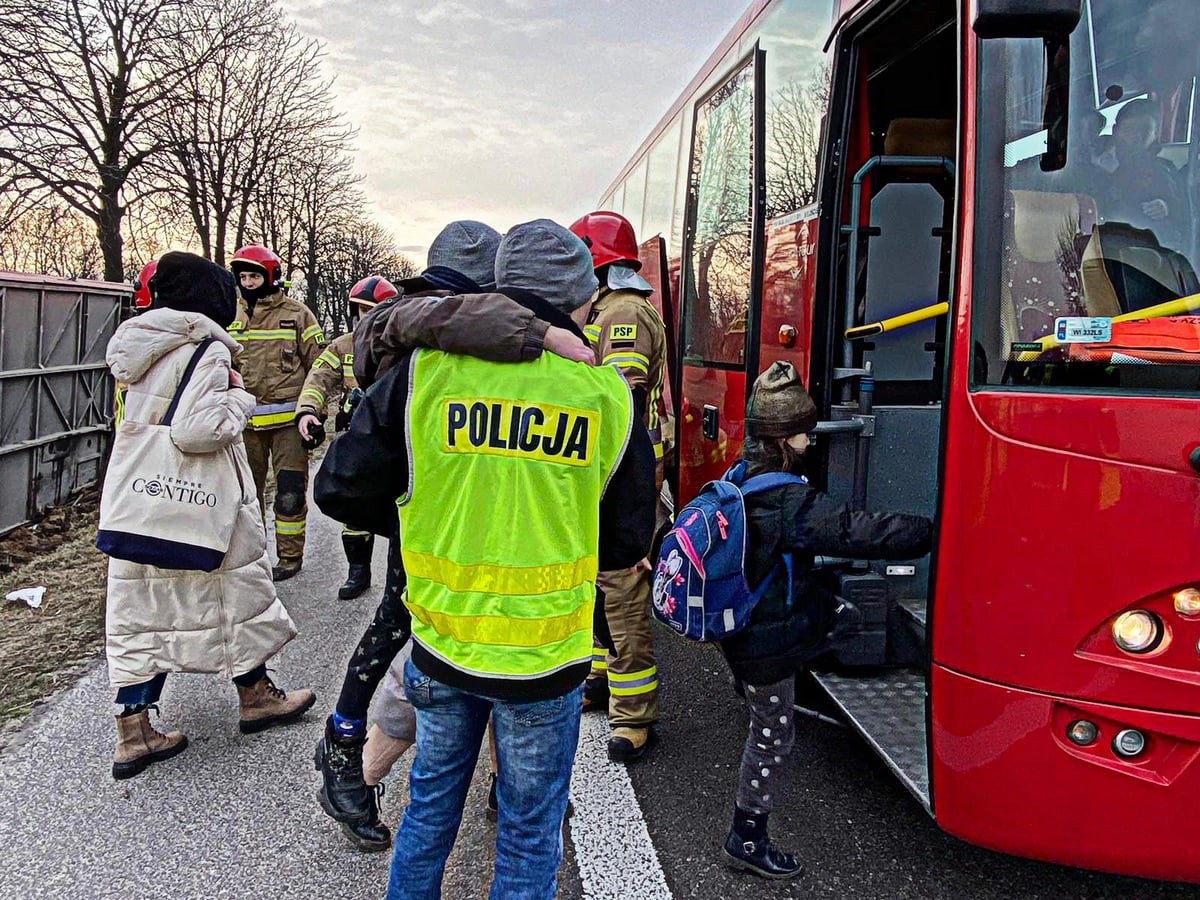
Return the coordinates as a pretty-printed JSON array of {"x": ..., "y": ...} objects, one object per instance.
[{"x": 190, "y": 283}]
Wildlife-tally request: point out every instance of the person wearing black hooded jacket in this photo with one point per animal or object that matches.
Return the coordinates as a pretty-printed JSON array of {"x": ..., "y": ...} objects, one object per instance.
[{"x": 785, "y": 633}]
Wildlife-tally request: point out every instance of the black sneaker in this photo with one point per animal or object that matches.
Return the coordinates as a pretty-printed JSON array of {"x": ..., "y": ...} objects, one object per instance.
[{"x": 760, "y": 858}]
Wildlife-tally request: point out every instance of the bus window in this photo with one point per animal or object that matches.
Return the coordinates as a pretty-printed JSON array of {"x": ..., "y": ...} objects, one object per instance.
[
  {"x": 717, "y": 280},
  {"x": 1086, "y": 276},
  {"x": 635, "y": 196},
  {"x": 660, "y": 184}
]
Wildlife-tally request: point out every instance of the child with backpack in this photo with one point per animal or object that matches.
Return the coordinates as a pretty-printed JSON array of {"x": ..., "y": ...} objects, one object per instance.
[{"x": 786, "y": 523}]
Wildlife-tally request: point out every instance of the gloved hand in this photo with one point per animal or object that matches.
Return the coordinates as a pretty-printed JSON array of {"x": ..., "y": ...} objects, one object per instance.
[
  {"x": 342, "y": 420},
  {"x": 312, "y": 431}
]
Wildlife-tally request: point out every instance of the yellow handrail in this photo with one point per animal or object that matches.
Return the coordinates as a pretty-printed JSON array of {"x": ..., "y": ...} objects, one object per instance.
[
  {"x": 1187, "y": 304},
  {"x": 895, "y": 322}
]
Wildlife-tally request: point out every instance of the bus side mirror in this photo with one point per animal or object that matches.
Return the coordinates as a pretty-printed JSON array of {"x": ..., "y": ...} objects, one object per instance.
[
  {"x": 1052, "y": 21},
  {"x": 1026, "y": 18}
]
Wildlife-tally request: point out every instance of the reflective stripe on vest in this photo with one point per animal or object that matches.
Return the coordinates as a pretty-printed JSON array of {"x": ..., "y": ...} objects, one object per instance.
[
  {"x": 498, "y": 586},
  {"x": 269, "y": 415}
]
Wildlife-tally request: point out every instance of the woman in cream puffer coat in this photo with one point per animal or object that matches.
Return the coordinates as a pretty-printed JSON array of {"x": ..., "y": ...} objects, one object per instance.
[{"x": 228, "y": 621}]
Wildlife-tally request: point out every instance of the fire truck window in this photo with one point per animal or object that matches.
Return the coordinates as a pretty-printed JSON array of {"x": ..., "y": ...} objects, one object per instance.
[
  {"x": 1086, "y": 276},
  {"x": 718, "y": 271}
]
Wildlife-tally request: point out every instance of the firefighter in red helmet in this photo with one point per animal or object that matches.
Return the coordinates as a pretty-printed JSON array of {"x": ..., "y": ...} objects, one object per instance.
[
  {"x": 281, "y": 340},
  {"x": 627, "y": 333},
  {"x": 332, "y": 375},
  {"x": 142, "y": 297}
]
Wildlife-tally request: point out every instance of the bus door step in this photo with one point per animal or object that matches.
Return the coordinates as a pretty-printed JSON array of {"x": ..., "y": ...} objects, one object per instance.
[
  {"x": 888, "y": 710},
  {"x": 913, "y": 613}
]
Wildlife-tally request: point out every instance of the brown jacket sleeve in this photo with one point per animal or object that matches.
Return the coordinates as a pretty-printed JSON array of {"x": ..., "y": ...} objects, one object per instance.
[
  {"x": 488, "y": 326},
  {"x": 323, "y": 383},
  {"x": 312, "y": 339}
]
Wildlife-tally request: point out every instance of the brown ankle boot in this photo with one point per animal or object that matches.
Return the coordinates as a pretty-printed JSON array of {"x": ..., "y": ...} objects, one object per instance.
[
  {"x": 264, "y": 705},
  {"x": 139, "y": 745},
  {"x": 381, "y": 753}
]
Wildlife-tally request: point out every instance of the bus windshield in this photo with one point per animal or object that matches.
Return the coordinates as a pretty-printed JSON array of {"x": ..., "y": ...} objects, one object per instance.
[{"x": 1086, "y": 274}]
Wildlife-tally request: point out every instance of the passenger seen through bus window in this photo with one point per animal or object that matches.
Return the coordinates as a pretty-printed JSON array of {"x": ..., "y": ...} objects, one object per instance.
[{"x": 1141, "y": 188}]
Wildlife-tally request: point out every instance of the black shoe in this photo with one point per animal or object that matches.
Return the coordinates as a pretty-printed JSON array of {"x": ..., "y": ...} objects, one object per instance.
[
  {"x": 595, "y": 695},
  {"x": 286, "y": 569},
  {"x": 344, "y": 795},
  {"x": 760, "y": 858},
  {"x": 492, "y": 809},
  {"x": 357, "y": 582},
  {"x": 631, "y": 744}
]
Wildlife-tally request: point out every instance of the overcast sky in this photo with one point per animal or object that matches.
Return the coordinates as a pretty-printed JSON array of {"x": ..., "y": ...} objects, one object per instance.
[{"x": 504, "y": 110}]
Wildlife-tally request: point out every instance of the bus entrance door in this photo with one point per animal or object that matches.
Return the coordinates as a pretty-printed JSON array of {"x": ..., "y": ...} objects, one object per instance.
[{"x": 887, "y": 366}]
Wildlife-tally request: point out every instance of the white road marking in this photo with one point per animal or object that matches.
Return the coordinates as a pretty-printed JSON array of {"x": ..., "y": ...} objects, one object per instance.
[{"x": 616, "y": 858}]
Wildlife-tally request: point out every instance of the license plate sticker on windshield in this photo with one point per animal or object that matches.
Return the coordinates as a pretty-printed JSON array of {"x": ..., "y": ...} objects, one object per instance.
[{"x": 1083, "y": 330}]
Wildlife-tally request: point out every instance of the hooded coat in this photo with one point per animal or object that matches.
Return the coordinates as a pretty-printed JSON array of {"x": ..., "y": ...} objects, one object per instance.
[{"x": 167, "y": 620}]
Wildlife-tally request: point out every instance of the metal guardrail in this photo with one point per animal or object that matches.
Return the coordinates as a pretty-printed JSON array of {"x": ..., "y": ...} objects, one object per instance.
[{"x": 56, "y": 395}]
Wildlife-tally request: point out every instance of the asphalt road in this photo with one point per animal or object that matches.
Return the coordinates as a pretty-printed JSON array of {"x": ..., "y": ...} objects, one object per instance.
[{"x": 236, "y": 817}]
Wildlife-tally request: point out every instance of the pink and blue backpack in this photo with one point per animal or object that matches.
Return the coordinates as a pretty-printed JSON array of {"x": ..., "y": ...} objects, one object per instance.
[{"x": 700, "y": 586}]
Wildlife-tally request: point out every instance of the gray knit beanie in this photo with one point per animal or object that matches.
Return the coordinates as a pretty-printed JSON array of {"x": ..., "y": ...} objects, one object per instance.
[
  {"x": 546, "y": 259},
  {"x": 779, "y": 405},
  {"x": 467, "y": 247}
]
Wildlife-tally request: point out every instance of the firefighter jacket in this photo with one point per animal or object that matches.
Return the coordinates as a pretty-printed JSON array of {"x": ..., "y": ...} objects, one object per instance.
[
  {"x": 628, "y": 334},
  {"x": 331, "y": 376},
  {"x": 547, "y": 434},
  {"x": 280, "y": 342},
  {"x": 786, "y": 631},
  {"x": 490, "y": 326}
]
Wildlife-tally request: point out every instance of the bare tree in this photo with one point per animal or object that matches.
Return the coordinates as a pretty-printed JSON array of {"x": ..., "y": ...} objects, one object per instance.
[
  {"x": 81, "y": 84},
  {"x": 248, "y": 101},
  {"x": 348, "y": 252},
  {"x": 794, "y": 121}
]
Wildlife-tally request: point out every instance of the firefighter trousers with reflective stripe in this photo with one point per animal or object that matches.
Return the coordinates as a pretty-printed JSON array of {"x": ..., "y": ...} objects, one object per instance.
[
  {"x": 631, "y": 670},
  {"x": 280, "y": 449}
]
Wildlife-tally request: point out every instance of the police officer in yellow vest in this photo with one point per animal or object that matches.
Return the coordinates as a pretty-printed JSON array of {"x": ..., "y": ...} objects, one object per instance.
[
  {"x": 332, "y": 377},
  {"x": 517, "y": 484},
  {"x": 628, "y": 334},
  {"x": 281, "y": 340}
]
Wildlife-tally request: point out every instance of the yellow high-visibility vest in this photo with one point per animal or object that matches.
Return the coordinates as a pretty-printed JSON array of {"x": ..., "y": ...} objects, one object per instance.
[{"x": 500, "y": 527}]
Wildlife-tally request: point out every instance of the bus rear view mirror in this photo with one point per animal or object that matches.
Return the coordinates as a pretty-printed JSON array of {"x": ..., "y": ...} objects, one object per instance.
[{"x": 1026, "y": 18}]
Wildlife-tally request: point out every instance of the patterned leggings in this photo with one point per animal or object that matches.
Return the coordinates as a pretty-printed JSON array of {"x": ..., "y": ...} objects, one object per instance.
[{"x": 772, "y": 734}]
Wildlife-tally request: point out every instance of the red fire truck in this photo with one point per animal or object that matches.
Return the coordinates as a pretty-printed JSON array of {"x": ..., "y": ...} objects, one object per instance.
[{"x": 972, "y": 227}]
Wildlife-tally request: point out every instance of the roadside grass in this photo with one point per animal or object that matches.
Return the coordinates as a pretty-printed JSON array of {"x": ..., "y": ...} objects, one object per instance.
[{"x": 42, "y": 650}]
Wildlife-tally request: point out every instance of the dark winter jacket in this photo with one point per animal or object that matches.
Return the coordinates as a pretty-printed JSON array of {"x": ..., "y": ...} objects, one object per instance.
[{"x": 779, "y": 640}]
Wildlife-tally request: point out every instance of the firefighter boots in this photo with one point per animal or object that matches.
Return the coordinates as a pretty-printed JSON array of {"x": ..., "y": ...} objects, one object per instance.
[
  {"x": 344, "y": 795},
  {"x": 264, "y": 705},
  {"x": 139, "y": 745},
  {"x": 358, "y": 555},
  {"x": 630, "y": 744},
  {"x": 288, "y": 566}
]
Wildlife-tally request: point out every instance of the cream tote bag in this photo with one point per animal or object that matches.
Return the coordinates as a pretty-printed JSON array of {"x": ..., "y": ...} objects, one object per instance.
[{"x": 163, "y": 507}]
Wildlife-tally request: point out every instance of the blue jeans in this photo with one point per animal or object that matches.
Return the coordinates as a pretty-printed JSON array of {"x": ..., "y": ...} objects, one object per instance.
[
  {"x": 146, "y": 693},
  {"x": 535, "y": 745}
]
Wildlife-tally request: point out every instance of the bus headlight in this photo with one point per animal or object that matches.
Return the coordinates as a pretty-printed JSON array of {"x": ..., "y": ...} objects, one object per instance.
[
  {"x": 1137, "y": 631},
  {"x": 1187, "y": 602},
  {"x": 1129, "y": 743}
]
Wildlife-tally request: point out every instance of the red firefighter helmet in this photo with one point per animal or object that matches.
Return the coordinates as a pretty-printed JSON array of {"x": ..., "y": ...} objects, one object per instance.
[
  {"x": 372, "y": 291},
  {"x": 257, "y": 258},
  {"x": 610, "y": 238},
  {"x": 141, "y": 287}
]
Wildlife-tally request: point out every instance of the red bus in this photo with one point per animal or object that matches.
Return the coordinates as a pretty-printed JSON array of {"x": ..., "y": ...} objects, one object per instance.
[{"x": 1023, "y": 174}]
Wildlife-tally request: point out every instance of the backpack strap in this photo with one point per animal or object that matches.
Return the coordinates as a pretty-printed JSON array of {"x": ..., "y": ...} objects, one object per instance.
[
  {"x": 769, "y": 480},
  {"x": 183, "y": 382}
]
